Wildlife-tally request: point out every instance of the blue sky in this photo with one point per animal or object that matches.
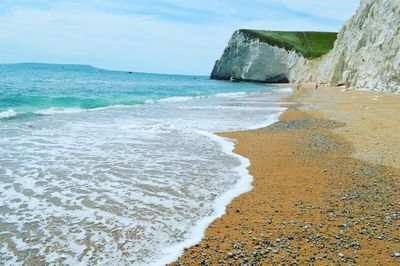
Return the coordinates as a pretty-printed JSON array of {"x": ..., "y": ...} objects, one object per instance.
[{"x": 162, "y": 36}]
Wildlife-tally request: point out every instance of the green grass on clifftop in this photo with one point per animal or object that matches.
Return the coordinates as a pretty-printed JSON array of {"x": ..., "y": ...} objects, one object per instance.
[{"x": 309, "y": 44}]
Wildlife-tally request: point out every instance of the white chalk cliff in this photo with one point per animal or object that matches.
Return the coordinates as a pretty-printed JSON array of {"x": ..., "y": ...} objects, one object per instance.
[
  {"x": 250, "y": 59},
  {"x": 366, "y": 54}
]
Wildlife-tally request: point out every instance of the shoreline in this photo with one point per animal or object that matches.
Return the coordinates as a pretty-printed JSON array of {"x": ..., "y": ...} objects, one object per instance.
[
  {"x": 318, "y": 197},
  {"x": 243, "y": 185}
]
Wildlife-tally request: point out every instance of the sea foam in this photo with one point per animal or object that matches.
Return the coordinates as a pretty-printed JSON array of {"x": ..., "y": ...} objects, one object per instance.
[
  {"x": 8, "y": 114},
  {"x": 132, "y": 185},
  {"x": 56, "y": 111},
  {"x": 176, "y": 99},
  {"x": 232, "y": 94}
]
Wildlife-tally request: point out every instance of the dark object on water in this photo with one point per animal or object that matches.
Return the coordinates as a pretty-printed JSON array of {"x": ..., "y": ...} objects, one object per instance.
[{"x": 129, "y": 72}]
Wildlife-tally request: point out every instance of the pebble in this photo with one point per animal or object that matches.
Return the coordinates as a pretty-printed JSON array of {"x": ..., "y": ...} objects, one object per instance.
[{"x": 369, "y": 188}]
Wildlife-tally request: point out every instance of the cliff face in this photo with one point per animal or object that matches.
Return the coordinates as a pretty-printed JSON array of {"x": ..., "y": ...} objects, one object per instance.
[
  {"x": 250, "y": 59},
  {"x": 366, "y": 54}
]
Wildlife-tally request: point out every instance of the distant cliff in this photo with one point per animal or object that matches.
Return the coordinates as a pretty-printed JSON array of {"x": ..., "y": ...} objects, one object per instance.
[
  {"x": 270, "y": 56},
  {"x": 366, "y": 54}
]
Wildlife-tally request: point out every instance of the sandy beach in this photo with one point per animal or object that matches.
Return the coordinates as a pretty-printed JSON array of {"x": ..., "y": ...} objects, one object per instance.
[{"x": 326, "y": 186}]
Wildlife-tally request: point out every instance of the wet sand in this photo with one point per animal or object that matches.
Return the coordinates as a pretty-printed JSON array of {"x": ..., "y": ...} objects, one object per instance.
[{"x": 326, "y": 186}]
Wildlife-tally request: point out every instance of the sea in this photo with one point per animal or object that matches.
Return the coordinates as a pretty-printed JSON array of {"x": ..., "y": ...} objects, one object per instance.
[{"x": 103, "y": 167}]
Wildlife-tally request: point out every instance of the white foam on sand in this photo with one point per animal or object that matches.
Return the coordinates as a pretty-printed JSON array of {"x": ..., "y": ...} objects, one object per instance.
[{"x": 243, "y": 185}]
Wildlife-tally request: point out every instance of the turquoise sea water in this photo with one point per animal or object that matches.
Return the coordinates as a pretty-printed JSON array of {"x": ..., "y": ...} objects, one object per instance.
[
  {"x": 114, "y": 168},
  {"x": 28, "y": 89}
]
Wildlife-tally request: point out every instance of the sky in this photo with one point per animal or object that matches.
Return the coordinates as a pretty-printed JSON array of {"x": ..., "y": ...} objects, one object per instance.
[{"x": 157, "y": 36}]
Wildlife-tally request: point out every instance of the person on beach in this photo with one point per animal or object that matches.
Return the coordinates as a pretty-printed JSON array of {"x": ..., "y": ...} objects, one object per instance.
[
  {"x": 298, "y": 85},
  {"x": 316, "y": 86},
  {"x": 347, "y": 83}
]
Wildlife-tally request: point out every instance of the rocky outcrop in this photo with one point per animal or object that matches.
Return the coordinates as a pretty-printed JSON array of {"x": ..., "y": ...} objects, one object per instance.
[{"x": 366, "y": 54}]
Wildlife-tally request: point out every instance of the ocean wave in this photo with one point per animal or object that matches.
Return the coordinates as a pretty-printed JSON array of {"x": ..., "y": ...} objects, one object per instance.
[
  {"x": 176, "y": 99},
  {"x": 173, "y": 99},
  {"x": 285, "y": 90},
  {"x": 7, "y": 114},
  {"x": 75, "y": 110},
  {"x": 57, "y": 110},
  {"x": 231, "y": 94},
  {"x": 149, "y": 101}
]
